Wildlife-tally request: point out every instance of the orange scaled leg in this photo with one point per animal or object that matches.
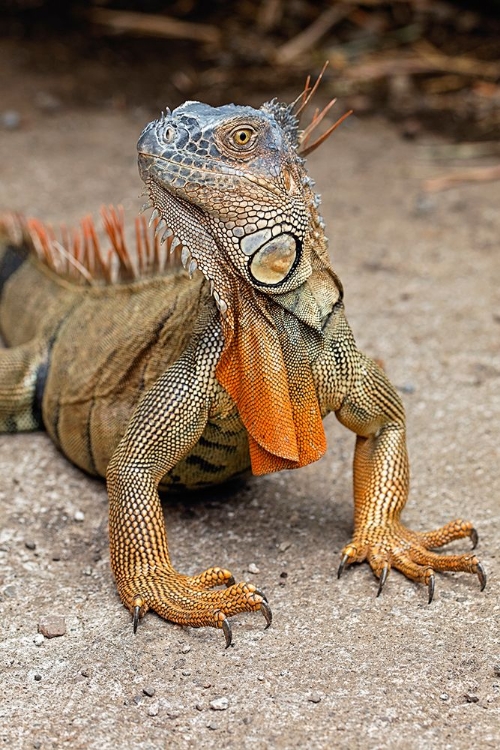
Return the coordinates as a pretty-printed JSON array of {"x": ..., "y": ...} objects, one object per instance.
[{"x": 381, "y": 483}]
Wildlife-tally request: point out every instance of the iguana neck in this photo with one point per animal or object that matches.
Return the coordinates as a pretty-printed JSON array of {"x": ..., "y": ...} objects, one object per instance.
[{"x": 270, "y": 343}]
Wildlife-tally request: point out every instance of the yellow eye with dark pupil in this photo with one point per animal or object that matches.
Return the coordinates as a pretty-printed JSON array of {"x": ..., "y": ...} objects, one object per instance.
[{"x": 242, "y": 137}]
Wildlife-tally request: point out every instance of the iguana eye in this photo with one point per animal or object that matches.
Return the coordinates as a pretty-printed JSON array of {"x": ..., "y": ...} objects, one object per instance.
[{"x": 242, "y": 136}]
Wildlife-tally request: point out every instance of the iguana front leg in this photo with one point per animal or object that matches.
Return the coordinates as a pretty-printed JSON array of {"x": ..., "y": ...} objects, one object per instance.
[
  {"x": 168, "y": 422},
  {"x": 374, "y": 411}
]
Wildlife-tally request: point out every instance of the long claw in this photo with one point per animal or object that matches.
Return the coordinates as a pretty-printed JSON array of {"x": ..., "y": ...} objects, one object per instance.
[
  {"x": 431, "y": 586},
  {"x": 226, "y": 627},
  {"x": 266, "y": 611},
  {"x": 481, "y": 574},
  {"x": 230, "y": 581},
  {"x": 474, "y": 537},
  {"x": 342, "y": 565},
  {"x": 383, "y": 579},
  {"x": 137, "y": 610},
  {"x": 261, "y": 593}
]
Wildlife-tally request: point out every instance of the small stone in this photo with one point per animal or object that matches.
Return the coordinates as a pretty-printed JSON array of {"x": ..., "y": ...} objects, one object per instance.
[
  {"x": 149, "y": 691},
  {"x": 37, "y": 744},
  {"x": 199, "y": 707},
  {"x": 38, "y": 640},
  {"x": 85, "y": 673},
  {"x": 212, "y": 726},
  {"x": 9, "y": 591},
  {"x": 10, "y": 119},
  {"x": 471, "y": 698},
  {"x": 252, "y": 568},
  {"x": 38, "y": 677},
  {"x": 173, "y": 714},
  {"x": 496, "y": 670},
  {"x": 185, "y": 649},
  {"x": 153, "y": 709},
  {"x": 137, "y": 699},
  {"x": 79, "y": 515},
  {"x": 52, "y": 626},
  {"x": 219, "y": 704},
  {"x": 444, "y": 696},
  {"x": 30, "y": 544},
  {"x": 186, "y": 673},
  {"x": 283, "y": 574},
  {"x": 284, "y": 546},
  {"x": 423, "y": 205},
  {"x": 408, "y": 388},
  {"x": 314, "y": 698},
  {"x": 56, "y": 555}
]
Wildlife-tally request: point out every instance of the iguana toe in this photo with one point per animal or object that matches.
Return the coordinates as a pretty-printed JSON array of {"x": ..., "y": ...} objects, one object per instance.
[
  {"x": 410, "y": 552},
  {"x": 192, "y": 601}
]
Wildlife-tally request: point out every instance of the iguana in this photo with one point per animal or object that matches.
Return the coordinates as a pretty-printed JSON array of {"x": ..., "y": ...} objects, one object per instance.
[{"x": 150, "y": 378}]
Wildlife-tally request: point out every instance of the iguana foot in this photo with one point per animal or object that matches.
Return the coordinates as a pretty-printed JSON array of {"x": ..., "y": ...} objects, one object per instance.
[
  {"x": 190, "y": 600},
  {"x": 395, "y": 546}
]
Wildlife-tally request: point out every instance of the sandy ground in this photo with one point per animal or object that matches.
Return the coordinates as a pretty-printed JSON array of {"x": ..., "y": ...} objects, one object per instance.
[{"x": 339, "y": 667}]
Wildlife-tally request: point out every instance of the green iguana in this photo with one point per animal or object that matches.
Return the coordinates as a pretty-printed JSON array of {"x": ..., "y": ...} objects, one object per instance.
[{"x": 149, "y": 378}]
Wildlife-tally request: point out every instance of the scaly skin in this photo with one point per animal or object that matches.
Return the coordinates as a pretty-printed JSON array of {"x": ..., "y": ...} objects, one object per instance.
[{"x": 163, "y": 380}]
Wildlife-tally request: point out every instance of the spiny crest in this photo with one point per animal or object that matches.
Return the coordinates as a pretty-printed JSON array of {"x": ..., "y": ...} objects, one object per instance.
[
  {"x": 80, "y": 254},
  {"x": 284, "y": 116},
  {"x": 288, "y": 118}
]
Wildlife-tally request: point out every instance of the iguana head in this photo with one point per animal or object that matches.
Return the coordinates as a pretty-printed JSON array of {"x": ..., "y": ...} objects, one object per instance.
[{"x": 230, "y": 184}]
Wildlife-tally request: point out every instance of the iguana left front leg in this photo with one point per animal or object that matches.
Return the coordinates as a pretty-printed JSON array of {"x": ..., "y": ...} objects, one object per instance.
[
  {"x": 167, "y": 423},
  {"x": 373, "y": 410}
]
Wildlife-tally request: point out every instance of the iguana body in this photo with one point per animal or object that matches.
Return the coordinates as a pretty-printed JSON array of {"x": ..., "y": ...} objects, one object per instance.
[{"x": 155, "y": 377}]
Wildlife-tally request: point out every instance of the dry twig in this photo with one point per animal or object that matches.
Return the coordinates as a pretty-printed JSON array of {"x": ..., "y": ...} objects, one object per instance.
[
  {"x": 477, "y": 174},
  {"x": 146, "y": 24},
  {"x": 303, "y": 42}
]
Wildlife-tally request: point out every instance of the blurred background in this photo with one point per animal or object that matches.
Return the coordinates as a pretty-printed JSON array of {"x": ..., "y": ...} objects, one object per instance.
[{"x": 432, "y": 64}]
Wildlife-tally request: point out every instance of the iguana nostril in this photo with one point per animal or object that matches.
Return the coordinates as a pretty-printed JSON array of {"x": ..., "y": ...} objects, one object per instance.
[
  {"x": 147, "y": 140},
  {"x": 169, "y": 134}
]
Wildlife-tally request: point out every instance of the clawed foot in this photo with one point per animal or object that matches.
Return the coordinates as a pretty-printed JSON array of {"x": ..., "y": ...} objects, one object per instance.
[
  {"x": 395, "y": 546},
  {"x": 192, "y": 600}
]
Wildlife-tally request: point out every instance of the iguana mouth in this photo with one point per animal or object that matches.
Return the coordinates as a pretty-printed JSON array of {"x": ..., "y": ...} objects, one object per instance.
[{"x": 144, "y": 171}]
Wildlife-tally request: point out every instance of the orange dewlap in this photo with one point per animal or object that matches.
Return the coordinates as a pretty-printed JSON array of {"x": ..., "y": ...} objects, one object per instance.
[{"x": 278, "y": 405}]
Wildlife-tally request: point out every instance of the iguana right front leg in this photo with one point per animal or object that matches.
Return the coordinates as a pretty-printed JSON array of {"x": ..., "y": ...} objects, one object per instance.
[
  {"x": 168, "y": 422},
  {"x": 22, "y": 372}
]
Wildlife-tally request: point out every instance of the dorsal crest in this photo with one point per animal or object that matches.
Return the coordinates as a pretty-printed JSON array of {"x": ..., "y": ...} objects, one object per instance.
[
  {"x": 288, "y": 117},
  {"x": 90, "y": 256}
]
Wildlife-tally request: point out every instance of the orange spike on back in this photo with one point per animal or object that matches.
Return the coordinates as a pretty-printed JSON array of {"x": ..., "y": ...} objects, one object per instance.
[{"x": 80, "y": 255}]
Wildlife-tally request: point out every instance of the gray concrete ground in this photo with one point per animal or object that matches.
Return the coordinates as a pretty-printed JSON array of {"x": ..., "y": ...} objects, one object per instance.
[{"x": 338, "y": 668}]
